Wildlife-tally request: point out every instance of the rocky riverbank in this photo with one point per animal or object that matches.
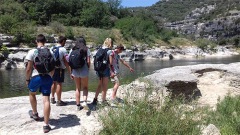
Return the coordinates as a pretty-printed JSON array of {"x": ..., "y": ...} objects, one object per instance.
[
  {"x": 16, "y": 58},
  {"x": 205, "y": 83}
]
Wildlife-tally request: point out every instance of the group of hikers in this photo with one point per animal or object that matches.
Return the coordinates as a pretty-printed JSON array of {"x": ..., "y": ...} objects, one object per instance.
[{"x": 45, "y": 71}]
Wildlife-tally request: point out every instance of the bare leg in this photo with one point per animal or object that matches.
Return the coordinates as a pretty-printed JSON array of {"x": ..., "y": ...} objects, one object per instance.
[
  {"x": 115, "y": 88},
  {"x": 47, "y": 109},
  {"x": 84, "y": 82},
  {"x": 78, "y": 88},
  {"x": 59, "y": 91},
  {"x": 104, "y": 88},
  {"x": 53, "y": 89},
  {"x": 33, "y": 101},
  {"x": 98, "y": 88}
]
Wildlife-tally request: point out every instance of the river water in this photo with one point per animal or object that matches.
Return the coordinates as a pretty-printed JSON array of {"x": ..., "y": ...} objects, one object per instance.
[{"x": 12, "y": 82}]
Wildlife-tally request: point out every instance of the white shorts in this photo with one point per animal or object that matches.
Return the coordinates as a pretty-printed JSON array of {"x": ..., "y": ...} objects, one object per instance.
[{"x": 115, "y": 79}]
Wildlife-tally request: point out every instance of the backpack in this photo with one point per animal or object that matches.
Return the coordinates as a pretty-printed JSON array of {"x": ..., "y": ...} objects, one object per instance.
[
  {"x": 101, "y": 60},
  {"x": 44, "y": 62},
  {"x": 55, "y": 51},
  {"x": 76, "y": 59}
]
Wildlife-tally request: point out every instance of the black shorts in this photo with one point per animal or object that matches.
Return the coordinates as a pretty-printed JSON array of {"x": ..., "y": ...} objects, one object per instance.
[{"x": 58, "y": 75}]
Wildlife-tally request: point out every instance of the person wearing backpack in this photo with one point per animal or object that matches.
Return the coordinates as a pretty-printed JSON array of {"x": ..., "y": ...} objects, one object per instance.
[
  {"x": 115, "y": 69},
  {"x": 40, "y": 64},
  {"x": 79, "y": 62},
  {"x": 102, "y": 62},
  {"x": 60, "y": 54}
]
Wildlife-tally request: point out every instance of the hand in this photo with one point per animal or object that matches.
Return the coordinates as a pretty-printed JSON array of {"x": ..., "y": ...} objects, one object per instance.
[
  {"x": 131, "y": 70},
  {"x": 112, "y": 75},
  {"x": 27, "y": 82},
  {"x": 71, "y": 76}
]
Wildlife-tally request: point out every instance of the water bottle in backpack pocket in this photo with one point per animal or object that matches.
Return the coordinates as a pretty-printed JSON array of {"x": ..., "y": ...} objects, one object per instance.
[{"x": 44, "y": 61}]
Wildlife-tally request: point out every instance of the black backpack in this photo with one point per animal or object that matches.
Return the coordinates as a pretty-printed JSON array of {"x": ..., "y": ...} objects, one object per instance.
[
  {"x": 44, "y": 62},
  {"x": 76, "y": 59},
  {"x": 55, "y": 51},
  {"x": 101, "y": 61}
]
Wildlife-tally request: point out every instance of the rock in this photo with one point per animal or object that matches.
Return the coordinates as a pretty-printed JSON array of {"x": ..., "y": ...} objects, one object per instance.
[{"x": 211, "y": 130}]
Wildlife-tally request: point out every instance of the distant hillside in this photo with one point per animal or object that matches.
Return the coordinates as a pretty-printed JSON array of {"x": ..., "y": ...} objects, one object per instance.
[{"x": 176, "y": 10}]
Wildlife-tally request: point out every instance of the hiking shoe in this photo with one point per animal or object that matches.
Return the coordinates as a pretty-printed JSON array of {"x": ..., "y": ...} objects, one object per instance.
[
  {"x": 61, "y": 103},
  {"x": 53, "y": 100},
  {"x": 85, "y": 105},
  {"x": 105, "y": 103},
  {"x": 114, "y": 101},
  {"x": 95, "y": 101},
  {"x": 46, "y": 129},
  {"x": 79, "y": 107},
  {"x": 34, "y": 116}
]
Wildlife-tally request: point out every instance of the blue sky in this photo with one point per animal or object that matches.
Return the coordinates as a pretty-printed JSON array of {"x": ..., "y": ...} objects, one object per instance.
[{"x": 137, "y": 3}]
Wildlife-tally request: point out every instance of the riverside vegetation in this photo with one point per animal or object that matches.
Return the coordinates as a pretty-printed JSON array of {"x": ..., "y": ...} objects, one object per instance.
[{"x": 173, "y": 117}]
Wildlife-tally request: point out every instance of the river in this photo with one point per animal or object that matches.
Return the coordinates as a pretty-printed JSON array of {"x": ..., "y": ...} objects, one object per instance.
[{"x": 12, "y": 82}]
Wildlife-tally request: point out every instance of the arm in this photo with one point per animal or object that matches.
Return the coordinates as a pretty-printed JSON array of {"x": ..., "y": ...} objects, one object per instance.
[
  {"x": 66, "y": 64},
  {"x": 88, "y": 61},
  {"x": 126, "y": 64},
  {"x": 111, "y": 66},
  {"x": 28, "y": 71}
]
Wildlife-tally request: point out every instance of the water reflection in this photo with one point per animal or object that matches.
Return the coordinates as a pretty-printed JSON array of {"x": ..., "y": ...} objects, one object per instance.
[{"x": 12, "y": 82}]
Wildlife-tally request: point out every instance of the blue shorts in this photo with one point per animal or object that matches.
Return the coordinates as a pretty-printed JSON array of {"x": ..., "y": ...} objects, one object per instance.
[
  {"x": 41, "y": 82},
  {"x": 105, "y": 73},
  {"x": 58, "y": 75}
]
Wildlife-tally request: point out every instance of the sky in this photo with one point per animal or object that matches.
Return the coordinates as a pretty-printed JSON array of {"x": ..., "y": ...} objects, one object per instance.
[{"x": 138, "y": 3}]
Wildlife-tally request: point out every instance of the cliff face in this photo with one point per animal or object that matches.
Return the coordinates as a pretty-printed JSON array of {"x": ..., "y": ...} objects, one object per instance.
[{"x": 201, "y": 18}]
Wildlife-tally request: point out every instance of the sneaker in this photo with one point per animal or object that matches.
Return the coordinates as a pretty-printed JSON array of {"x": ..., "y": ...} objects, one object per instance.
[
  {"x": 46, "y": 129},
  {"x": 85, "y": 105},
  {"x": 34, "y": 116},
  {"x": 95, "y": 101},
  {"x": 105, "y": 103},
  {"x": 53, "y": 100},
  {"x": 114, "y": 101},
  {"x": 61, "y": 103},
  {"x": 79, "y": 107}
]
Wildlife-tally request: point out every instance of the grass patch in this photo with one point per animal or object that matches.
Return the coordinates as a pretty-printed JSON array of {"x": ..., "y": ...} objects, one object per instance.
[
  {"x": 142, "y": 117},
  {"x": 173, "y": 118},
  {"x": 227, "y": 116}
]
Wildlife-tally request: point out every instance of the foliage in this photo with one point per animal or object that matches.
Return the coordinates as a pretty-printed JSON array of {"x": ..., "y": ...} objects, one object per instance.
[
  {"x": 143, "y": 117},
  {"x": 204, "y": 44},
  {"x": 167, "y": 35},
  {"x": 69, "y": 33},
  {"x": 57, "y": 27},
  {"x": 7, "y": 23},
  {"x": 226, "y": 117},
  {"x": 137, "y": 27},
  {"x": 4, "y": 49}
]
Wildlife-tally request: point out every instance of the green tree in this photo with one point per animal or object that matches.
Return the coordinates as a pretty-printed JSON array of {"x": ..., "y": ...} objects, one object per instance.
[{"x": 7, "y": 23}]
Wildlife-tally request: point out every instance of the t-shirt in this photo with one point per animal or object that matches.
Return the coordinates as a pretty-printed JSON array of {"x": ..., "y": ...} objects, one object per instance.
[
  {"x": 62, "y": 53},
  {"x": 115, "y": 62},
  {"x": 31, "y": 56}
]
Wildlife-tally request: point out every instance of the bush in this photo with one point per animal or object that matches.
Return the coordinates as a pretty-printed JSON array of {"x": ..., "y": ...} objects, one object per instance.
[
  {"x": 57, "y": 27},
  {"x": 143, "y": 117}
]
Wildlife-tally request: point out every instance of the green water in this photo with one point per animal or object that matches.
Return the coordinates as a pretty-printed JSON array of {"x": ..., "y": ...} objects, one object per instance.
[{"x": 12, "y": 82}]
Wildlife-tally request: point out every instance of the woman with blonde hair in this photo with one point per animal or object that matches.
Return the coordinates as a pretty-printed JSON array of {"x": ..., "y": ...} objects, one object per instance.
[{"x": 103, "y": 75}]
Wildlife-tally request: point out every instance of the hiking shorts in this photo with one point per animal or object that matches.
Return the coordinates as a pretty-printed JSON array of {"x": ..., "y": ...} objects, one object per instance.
[
  {"x": 58, "y": 75},
  {"x": 106, "y": 73},
  {"x": 81, "y": 72},
  {"x": 115, "y": 79},
  {"x": 41, "y": 82}
]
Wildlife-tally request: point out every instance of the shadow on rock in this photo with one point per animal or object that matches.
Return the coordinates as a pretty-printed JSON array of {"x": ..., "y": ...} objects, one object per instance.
[{"x": 65, "y": 121}]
